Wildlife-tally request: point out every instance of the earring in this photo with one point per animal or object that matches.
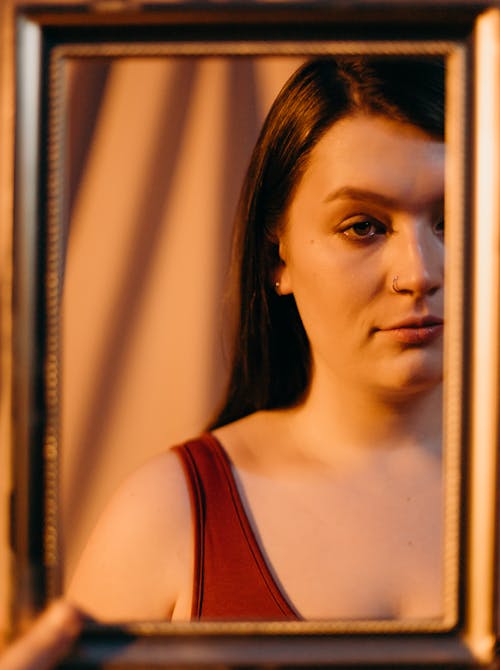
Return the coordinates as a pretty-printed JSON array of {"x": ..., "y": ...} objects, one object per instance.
[
  {"x": 395, "y": 287},
  {"x": 277, "y": 287}
]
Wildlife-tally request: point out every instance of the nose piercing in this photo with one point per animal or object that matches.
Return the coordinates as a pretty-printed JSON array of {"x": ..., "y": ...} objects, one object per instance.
[{"x": 395, "y": 287}]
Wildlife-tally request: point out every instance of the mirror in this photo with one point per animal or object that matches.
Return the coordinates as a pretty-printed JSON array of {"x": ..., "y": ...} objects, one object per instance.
[
  {"x": 154, "y": 162},
  {"x": 138, "y": 249}
]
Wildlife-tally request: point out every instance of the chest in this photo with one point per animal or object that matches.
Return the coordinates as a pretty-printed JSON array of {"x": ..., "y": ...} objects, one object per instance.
[{"x": 352, "y": 547}]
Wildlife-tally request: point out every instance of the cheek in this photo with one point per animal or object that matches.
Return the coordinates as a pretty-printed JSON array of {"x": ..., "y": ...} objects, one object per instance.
[
  {"x": 322, "y": 287},
  {"x": 326, "y": 270},
  {"x": 337, "y": 293}
]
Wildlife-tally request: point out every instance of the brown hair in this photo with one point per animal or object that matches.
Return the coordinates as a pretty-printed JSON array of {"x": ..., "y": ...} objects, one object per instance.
[{"x": 271, "y": 356}]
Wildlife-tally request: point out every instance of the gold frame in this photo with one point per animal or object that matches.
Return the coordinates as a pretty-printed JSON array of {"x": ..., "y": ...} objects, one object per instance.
[{"x": 466, "y": 635}]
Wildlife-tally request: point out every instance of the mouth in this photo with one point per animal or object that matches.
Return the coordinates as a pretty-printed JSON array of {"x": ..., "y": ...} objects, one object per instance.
[{"x": 415, "y": 330}]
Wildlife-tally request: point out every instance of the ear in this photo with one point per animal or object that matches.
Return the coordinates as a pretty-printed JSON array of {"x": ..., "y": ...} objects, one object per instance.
[{"x": 282, "y": 279}]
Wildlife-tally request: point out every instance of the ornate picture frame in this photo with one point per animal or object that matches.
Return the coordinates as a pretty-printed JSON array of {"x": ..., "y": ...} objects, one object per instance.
[{"x": 467, "y": 35}]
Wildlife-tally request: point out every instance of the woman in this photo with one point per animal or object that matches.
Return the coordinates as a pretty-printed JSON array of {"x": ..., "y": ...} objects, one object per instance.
[{"x": 318, "y": 492}]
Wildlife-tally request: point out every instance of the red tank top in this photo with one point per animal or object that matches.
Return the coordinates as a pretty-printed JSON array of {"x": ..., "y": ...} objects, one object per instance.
[{"x": 231, "y": 578}]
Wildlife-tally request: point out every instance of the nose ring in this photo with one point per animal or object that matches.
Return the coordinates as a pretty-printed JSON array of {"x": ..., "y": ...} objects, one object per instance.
[{"x": 395, "y": 287}]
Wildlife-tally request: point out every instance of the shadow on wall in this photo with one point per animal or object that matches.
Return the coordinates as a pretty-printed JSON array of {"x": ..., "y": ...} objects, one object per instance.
[{"x": 154, "y": 167}]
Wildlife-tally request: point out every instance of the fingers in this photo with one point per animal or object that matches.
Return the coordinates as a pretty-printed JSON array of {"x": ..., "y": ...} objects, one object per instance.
[{"x": 47, "y": 642}]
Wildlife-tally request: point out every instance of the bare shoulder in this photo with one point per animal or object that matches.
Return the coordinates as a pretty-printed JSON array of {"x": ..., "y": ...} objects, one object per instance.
[
  {"x": 138, "y": 562},
  {"x": 246, "y": 440},
  {"x": 240, "y": 436}
]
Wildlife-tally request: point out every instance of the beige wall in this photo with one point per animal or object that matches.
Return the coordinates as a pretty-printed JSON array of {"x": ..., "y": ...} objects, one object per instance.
[{"x": 149, "y": 235}]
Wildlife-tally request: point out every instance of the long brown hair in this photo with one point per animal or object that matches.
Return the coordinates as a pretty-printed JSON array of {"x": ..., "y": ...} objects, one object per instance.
[{"x": 271, "y": 355}]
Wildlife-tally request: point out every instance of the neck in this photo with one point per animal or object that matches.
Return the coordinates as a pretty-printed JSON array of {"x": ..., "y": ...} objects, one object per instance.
[{"x": 364, "y": 422}]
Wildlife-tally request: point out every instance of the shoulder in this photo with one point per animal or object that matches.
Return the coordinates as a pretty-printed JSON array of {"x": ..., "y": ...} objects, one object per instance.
[
  {"x": 254, "y": 439},
  {"x": 138, "y": 561}
]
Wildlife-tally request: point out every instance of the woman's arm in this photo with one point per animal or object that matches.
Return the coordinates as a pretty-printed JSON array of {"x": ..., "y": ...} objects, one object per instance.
[{"x": 138, "y": 563}]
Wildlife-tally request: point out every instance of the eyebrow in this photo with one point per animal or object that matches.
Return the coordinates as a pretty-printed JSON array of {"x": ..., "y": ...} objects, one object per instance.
[
  {"x": 361, "y": 194},
  {"x": 365, "y": 195}
]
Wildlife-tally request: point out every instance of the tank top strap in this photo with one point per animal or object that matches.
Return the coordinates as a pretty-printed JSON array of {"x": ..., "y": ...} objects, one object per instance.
[{"x": 232, "y": 579}]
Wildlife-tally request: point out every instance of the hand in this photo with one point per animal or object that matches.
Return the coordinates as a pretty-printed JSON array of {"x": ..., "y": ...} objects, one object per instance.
[{"x": 47, "y": 642}]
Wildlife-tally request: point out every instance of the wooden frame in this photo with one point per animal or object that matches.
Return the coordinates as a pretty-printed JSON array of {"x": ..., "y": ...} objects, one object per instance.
[{"x": 468, "y": 35}]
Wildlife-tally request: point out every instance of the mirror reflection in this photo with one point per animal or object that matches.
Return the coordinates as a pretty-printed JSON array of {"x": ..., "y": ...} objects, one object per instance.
[{"x": 299, "y": 375}]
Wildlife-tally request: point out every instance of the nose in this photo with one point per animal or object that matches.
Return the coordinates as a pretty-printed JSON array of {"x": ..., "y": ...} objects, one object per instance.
[{"x": 418, "y": 263}]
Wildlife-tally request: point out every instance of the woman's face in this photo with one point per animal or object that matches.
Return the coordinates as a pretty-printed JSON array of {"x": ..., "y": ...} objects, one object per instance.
[{"x": 369, "y": 208}]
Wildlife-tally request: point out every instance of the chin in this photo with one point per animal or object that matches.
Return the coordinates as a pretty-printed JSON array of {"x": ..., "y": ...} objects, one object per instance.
[
  {"x": 412, "y": 377},
  {"x": 412, "y": 393}
]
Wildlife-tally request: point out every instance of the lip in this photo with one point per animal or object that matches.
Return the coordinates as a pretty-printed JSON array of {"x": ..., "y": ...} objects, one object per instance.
[{"x": 415, "y": 330}]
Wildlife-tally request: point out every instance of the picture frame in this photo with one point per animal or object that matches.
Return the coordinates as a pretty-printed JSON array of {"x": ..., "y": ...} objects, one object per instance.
[{"x": 467, "y": 35}]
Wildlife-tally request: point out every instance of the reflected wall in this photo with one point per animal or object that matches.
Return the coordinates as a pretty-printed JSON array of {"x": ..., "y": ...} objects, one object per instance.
[{"x": 155, "y": 151}]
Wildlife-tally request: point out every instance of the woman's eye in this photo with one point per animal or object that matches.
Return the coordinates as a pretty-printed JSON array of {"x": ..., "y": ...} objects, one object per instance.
[{"x": 364, "y": 229}]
